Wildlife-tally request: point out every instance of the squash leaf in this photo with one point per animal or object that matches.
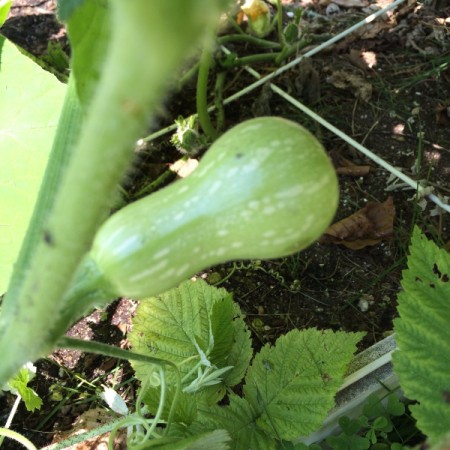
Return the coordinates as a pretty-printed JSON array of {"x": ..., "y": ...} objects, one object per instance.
[
  {"x": 292, "y": 385},
  {"x": 67, "y": 7},
  {"x": 29, "y": 111},
  {"x": 422, "y": 361},
  {"x": 5, "y": 6},
  {"x": 88, "y": 27}
]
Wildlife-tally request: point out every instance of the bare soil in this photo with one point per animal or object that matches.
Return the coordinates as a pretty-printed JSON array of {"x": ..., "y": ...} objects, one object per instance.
[{"x": 387, "y": 87}]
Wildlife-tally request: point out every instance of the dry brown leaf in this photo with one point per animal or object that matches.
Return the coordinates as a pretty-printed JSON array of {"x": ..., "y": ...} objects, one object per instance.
[
  {"x": 353, "y": 171},
  {"x": 347, "y": 80},
  {"x": 373, "y": 29},
  {"x": 89, "y": 420},
  {"x": 347, "y": 167},
  {"x": 364, "y": 60},
  {"x": 443, "y": 114},
  {"x": 184, "y": 168},
  {"x": 368, "y": 226},
  {"x": 352, "y": 3}
]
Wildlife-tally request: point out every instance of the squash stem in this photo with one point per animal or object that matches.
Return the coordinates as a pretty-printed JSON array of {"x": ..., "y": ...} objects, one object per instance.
[{"x": 130, "y": 89}]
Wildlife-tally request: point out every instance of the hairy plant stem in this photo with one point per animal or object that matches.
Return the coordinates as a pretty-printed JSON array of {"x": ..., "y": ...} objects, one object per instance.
[
  {"x": 17, "y": 437},
  {"x": 218, "y": 101},
  {"x": 115, "y": 352},
  {"x": 206, "y": 61},
  {"x": 130, "y": 89},
  {"x": 277, "y": 57},
  {"x": 108, "y": 350},
  {"x": 281, "y": 36},
  {"x": 263, "y": 43}
]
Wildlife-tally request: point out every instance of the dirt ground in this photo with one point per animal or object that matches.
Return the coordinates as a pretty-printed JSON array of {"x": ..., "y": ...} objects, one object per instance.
[{"x": 388, "y": 87}]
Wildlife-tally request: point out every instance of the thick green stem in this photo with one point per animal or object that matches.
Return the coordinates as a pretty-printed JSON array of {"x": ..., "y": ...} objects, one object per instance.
[
  {"x": 114, "y": 352},
  {"x": 249, "y": 39},
  {"x": 17, "y": 437},
  {"x": 218, "y": 100},
  {"x": 108, "y": 350},
  {"x": 281, "y": 36},
  {"x": 206, "y": 61},
  {"x": 149, "y": 41}
]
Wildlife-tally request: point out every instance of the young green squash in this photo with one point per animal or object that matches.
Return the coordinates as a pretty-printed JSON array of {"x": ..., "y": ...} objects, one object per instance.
[{"x": 265, "y": 189}]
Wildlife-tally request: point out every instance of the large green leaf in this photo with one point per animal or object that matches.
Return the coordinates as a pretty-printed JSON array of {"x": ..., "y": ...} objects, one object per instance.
[
  {"x": 29, "y": 111},
  {"x": 423, "y": 336},
  {"x": 175, "y": 325},
  {"x": 239, "y": 419},
  {"x": 88, "y": 25},
  {"x": 5, "y": 6},
  {"x": 292, "y": 385},
  {"x": 66, "y": 8},
  {"x": 213, "y": 440}
]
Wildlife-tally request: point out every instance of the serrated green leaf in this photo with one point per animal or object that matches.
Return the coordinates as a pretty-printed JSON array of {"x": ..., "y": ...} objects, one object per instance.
[
  {"x": 186, "y": 408},
  {"x": 5, "y": 6},
  {"x": 239, "y": 419},
  {"x": 222, "y": 331},
  {"x": 19, "y": 384},
  {"x": 30, "y": 398},
  {"x": 292, "y": 385},
  {"x": 423, "y": 335},
  {"x": 29, "y": 113},
  {"x": 241, "y": 352},
  {"x": 169, "y": 326},
  {"x": 88, "y": 27},
  {"x": 213, "y": 440},
  {"x": 344, "y": 442}
]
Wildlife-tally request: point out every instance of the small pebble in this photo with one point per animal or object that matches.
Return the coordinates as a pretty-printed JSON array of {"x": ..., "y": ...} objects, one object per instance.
[
  {"x": 332, "y": 9},
  {"x": 363, "y": 305}
]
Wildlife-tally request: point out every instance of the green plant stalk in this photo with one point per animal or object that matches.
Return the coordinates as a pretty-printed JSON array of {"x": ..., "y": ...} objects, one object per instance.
[
  {"x": 18, "y": 438},
  {"x": 206, "y": 61},
  {"x": 250, "y": 40},
  {"x": 114, "y": 352},
  {"x": 277, "y": 57},
  {"x": 218, "y": 101},
  {"x": 281, "y": 36},
  {"x": 11, "y": 415},
  {"x": 129, "y": 90}
]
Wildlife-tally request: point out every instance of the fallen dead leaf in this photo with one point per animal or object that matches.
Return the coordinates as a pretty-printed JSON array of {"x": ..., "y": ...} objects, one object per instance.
[
  {"x": 373, "y": 29},
  {"x": 352, "y": 3},
  {"x": 443, "y": 114},
  {"x": 346, "y": 167},
  {"x": 348, "y": 80},
  {"x": 89, "y": 420},
  {"x": 362, "y": 59},
  {"x": 368, "y": 226},
  {"x": 183, "y": 168},
  {"x": 346, "y": 3}
]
